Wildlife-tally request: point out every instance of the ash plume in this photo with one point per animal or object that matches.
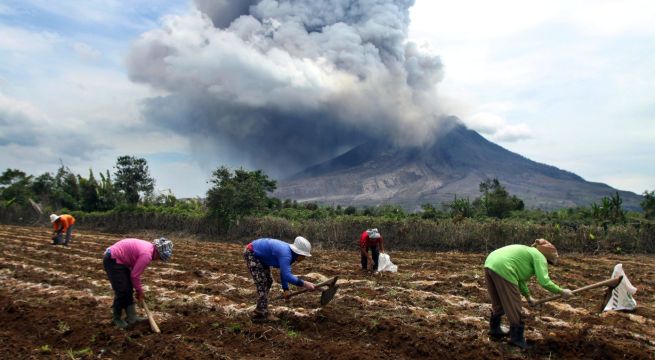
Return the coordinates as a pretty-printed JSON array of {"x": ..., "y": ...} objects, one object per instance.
[{"x": 280, "y": 85}]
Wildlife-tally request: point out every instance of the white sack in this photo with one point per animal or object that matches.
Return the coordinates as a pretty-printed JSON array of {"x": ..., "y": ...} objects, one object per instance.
[
  {"x": 385, "y": 264},
  {"x": 621, "y": 298}
]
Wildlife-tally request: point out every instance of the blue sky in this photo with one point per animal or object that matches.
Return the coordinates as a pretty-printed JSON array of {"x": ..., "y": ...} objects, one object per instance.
[{"x": 568, "y": 85}]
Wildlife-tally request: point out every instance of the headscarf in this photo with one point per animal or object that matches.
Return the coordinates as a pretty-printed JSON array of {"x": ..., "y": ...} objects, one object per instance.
[{"x": 549, "y": 250}]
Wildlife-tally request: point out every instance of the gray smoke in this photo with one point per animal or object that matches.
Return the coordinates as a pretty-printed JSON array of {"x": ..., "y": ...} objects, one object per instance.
[{"x": 281, "y": 85}]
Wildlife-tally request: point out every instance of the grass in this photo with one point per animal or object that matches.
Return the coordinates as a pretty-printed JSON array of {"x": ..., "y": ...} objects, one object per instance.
[
  {"x": 76, "y": 354},
  {"x": 45, "y": 349},
  {"x": 234, "y": 327},
  {"x": 62, "y": 327}
]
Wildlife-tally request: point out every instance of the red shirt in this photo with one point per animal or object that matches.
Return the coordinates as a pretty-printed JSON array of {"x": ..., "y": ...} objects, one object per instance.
[{"x": 365, "y": 241}]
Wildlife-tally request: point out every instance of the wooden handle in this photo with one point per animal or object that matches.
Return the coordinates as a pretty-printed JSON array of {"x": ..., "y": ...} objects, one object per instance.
[
  {"x": 151, "y": 320},
  {"x": 612, "y": 283},
  {"x": 324, "y": 283}
]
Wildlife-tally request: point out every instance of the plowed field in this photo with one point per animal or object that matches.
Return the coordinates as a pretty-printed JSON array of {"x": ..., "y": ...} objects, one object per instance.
[{"x": 55, "y": 303}]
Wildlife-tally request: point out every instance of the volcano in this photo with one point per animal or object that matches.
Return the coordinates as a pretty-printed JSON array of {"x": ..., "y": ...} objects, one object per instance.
[{"x": 453, "y": 166}]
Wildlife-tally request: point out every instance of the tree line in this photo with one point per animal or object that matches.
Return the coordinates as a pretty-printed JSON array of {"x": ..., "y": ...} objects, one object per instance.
[{"x": 234, "y": 194}]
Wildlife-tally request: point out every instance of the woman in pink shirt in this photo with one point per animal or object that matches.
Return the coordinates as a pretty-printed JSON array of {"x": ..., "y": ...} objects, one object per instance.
[{"x": 124, "y": 263}]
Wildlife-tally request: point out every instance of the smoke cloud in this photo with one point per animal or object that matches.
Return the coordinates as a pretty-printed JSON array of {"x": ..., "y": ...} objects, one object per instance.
[{"x": 281, "y": 85}]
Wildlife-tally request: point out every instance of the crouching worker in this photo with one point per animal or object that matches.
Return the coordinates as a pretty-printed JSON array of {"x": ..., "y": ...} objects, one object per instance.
[
  {"x": 506, "y": 271},
  {"x": 124, "y": 263},
  {"x": 261, "y": 255},
  {"x": 61, "y": 224},
  {"x": 370, "y": 239}
]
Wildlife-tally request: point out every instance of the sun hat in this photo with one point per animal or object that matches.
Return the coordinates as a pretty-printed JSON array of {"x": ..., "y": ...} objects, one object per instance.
[
  {"x": 549, "y": 250},
  {"x": 301, "y": 246}
]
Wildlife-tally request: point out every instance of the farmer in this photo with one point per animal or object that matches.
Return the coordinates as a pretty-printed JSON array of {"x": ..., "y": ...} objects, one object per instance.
[
  {"x": 260, "y": 255},
  {"x": 506, "y": 271},
  {"x": 124, "y": 263},
  {"x": 61, "y": 223},
  {"x": 370, "y": 239}
]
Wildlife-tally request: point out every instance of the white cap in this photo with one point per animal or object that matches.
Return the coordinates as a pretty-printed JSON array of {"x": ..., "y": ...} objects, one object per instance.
[
  {"x": 301, "y": 246},
  {"x": 373, "y": 233},
  {"x": 53, "y": 218}
]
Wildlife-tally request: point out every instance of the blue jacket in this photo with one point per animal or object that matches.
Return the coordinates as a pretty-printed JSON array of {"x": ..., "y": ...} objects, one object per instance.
[{"x": 278, "y": 254}]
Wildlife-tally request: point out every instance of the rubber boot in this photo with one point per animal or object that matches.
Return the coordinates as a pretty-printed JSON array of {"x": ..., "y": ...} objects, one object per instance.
[
  {"x": 516, "y": 336},
  {"x": 120, "y": 323},
  {"x": 495, "y": 330},
  {"x": 132, "y": 317}
]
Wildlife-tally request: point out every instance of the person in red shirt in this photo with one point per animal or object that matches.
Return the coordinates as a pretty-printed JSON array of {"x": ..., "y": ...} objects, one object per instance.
[
  {"x": 61, "y": 223},
  {"x": 370, "y": 239}
]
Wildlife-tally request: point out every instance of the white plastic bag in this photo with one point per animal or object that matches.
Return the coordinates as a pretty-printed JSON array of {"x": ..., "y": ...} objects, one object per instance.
[
  {"x": 621, "y": 298},
  {"x": 385, "y": 264}
]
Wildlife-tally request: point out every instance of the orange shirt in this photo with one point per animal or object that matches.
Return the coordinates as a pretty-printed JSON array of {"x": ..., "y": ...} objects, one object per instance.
[{"x": 64, "y": 221}]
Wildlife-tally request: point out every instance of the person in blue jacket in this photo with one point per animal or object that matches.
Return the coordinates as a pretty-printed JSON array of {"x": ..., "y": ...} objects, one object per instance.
[{"x": 263, "y": 253}]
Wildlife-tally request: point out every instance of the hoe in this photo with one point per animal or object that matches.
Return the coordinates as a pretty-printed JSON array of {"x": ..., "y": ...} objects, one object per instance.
[
  {"x": 326, "y": 295},
  {"x": 610, "y": 284}
]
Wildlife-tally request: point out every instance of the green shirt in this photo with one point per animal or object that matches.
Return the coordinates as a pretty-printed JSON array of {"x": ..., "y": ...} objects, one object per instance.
[{"x": 517, "y": 264}]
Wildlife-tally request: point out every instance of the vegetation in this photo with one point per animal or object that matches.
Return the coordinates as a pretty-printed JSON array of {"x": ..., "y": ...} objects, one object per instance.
[{"x": 239, "y": 206}]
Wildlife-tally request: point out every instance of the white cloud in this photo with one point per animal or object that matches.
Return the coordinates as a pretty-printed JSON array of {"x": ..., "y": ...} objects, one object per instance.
[
  {"x": 497, "y": 128},
  {"x": 19, "y": 40},
  {"x": 86, "y": 52}
]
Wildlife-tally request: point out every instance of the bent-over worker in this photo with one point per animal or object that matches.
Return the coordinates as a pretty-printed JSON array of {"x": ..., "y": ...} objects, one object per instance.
[
  {"x": 124, "y": 263},
  {"x": 61, "y": 224},
  {"x": 506, "y": 271},
  {"x": 370, "y": 239},
  {"x": 262, "y": 254}
]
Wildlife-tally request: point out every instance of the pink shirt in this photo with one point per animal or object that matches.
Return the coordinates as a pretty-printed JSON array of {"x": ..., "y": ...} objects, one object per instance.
[{"x": 136, "y": 254}]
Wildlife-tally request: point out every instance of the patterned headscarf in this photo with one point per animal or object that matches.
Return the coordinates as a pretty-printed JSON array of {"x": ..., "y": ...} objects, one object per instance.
[{"x": 164, "y": 248}]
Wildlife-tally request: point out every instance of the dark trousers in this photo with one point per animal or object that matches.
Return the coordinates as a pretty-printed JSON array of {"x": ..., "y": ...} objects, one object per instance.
[
  {"x": 59, "y": 237},
  {"x": 121, "y": 282},
  {"x": 375, "y": 254}
]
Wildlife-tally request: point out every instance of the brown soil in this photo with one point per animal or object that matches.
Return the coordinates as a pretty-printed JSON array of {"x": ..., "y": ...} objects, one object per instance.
[{"x": 55, "y": 303}]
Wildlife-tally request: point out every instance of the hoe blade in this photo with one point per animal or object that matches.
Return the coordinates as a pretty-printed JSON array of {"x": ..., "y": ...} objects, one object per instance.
[{"x": 328, "y": 294}]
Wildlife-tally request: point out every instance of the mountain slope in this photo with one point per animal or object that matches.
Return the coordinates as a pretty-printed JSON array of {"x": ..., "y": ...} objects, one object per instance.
[{"x": 456, "y": 164}]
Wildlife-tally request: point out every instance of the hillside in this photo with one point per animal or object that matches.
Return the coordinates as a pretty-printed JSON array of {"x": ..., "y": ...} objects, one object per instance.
[{"x": 375, "y": 173}]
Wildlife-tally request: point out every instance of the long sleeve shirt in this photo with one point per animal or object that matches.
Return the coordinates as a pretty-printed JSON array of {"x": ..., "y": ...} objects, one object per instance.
[
  {"x": 63, "y": 223},
  {"x": 277, "y": 254},
  {"x": 136, "y": 254},
  {"x": 518, "y": 263},
  {"x": 365, "y": 241}
]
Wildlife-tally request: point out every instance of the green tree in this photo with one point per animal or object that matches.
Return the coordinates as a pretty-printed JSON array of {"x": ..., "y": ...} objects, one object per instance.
[
  {"x": 90, "y": 198},
  {"x": 15, "y": 186},
  {"x": 496, "y": 201},
  {"x": 609, "y": 210},
  {"x": 239, "y": 193},
  {"x": 43, "y": 188},
  {"x": 460, "y": 208},
  {"x": 66, "y": 189},
  {"x": 133, "y": 178},
  {"x": 107, "y": 195},
  {"x": 649, "y": 204}
]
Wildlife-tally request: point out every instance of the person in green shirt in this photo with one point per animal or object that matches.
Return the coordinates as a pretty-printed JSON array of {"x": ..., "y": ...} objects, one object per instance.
[{"x": 506, "y": 271}]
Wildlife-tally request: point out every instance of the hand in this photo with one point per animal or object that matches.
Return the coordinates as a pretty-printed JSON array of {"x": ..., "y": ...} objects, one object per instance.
[
  {"x": 286, "y": 294},
  {"x": 140, "y": 297},
  {"x": 566, "y": 293},
  {"x": 309, "y": 286}
]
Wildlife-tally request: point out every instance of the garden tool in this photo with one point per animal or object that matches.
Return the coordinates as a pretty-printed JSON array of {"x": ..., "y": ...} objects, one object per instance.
[
  {"x": 153, "y": 324},
  {"x": 610, "y": 283},
  {"x": 326, "y": 295}
]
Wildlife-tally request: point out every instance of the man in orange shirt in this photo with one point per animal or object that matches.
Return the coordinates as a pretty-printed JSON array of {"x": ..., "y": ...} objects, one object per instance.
[{"x": 62, "y": 223}]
